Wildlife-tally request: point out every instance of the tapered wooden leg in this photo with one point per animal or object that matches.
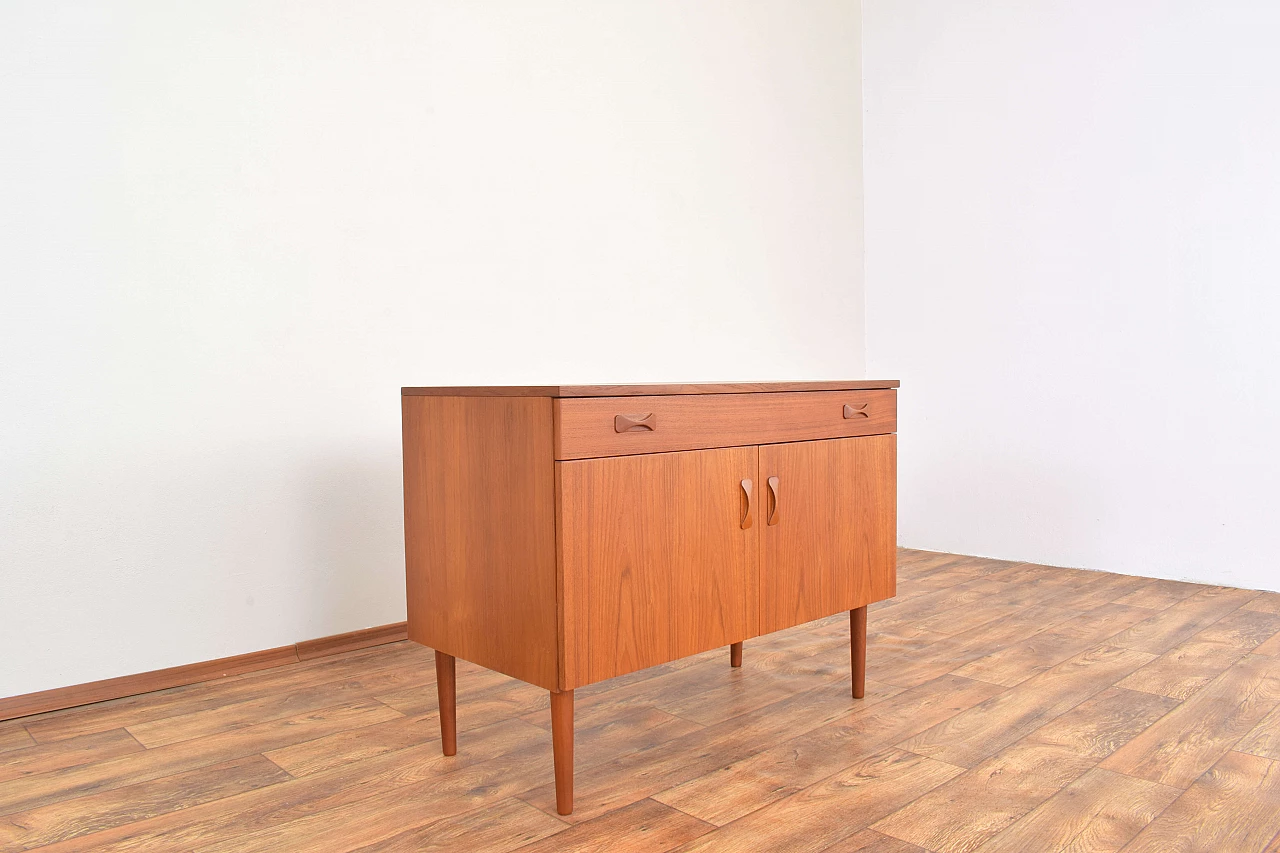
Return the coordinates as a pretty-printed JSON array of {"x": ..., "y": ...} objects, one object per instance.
[
  {"x": 858, "y": 650},
  {"x": 447, "y": 690},
  {"x": 735, "y": 654},
  {"x": 562, "y": 748}
]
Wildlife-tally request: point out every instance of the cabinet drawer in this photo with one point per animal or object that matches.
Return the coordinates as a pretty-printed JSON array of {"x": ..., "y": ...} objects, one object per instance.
[{"x": 587, "y": 427}]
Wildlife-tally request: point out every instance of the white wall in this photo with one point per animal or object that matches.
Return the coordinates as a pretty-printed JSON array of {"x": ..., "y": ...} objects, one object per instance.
[
  {"x": 229, "y": 232},
  {"x": 1073, "y": 264}
]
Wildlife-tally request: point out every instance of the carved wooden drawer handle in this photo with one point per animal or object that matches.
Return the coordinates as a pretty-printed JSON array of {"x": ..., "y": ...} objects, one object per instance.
[
  {"x": 746, "y": 490},
  {"x": 773, "y": 504},
  {"x": 856, "y": 411},
  {"x": 630, "y": 423}
]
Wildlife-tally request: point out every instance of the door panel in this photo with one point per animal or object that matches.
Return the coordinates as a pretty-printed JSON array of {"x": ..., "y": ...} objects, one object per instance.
[
  {"x": 833, "y": 544},
  {"x": 654, "y": 562}
]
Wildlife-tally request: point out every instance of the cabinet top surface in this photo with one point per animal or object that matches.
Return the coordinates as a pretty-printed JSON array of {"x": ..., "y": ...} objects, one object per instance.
[{"x": 645, "y": 389}]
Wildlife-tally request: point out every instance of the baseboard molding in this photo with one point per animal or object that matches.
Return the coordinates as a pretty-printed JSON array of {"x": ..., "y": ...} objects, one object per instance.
[
  {"x": 177, "y": 676},
  {"x": 351, "y": 640}
]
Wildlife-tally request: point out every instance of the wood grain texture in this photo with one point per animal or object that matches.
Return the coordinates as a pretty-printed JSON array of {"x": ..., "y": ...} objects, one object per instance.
[
  {"x": 870, "y": 841},
  {"x": 646, "y": 389},
  {"x": 15, "y": 736},
  {"x": 480, "y": 556},
  {"x": 692, "y": 753},
  {"x": 1263, "y": 740},
  {"x": 86, "y": 749},
  {"x": 971, "y": 809},
  {"x": 1235, "y": 806},
  {"x": 585, "y": 427},
  {"x": 643, "y": 825},
  {"x": 1180, "y": 621},
  {"x": 781, "y": 770},
  {"x": 1099, "y": 812},
  {"x": 654, "y": 561},
  {"x": 841, "y": 494},
  {"x": 981, "y": 731},
  {"x": 1194, "y": 736},
  {"x": 96, "y": 812},
  {"x": 834, "y": 808}
]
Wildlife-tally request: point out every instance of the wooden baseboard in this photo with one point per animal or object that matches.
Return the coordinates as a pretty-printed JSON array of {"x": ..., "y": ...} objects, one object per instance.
[
  {"x": 309, "y": 649},
  {"x": 177, "y": 676}
]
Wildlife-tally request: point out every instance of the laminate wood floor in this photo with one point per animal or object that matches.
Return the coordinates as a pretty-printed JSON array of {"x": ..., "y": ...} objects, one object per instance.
[{"x": 1009, "y": 707}]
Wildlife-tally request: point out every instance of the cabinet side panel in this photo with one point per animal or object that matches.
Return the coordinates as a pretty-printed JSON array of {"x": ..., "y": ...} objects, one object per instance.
[
  {"x": 877, "y": 504},
  {"x": 480, "y": 561}
]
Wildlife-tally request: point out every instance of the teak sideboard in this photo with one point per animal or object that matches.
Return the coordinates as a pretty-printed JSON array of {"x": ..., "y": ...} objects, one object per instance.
[{"x": 564, "y": 535}]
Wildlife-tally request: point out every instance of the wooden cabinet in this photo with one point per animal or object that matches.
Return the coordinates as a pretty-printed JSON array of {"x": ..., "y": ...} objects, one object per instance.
[{"x": 565, "y": 535}]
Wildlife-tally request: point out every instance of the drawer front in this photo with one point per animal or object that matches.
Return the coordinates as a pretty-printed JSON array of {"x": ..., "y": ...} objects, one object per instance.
[{"x": 588, "y": 427}]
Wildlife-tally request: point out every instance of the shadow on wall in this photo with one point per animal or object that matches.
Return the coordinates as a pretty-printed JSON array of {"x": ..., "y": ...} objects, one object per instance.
[{"x": 355, "y": 515}]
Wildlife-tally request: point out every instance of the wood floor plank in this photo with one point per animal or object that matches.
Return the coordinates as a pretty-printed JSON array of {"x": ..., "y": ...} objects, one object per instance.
[
  {"x": 1103, "y": 622},
  {"x": 405, "y": 658},
  {"x": 1244, "y": 629},
  {"x": 969, "y": 810},
  {"x": 275, "y": 704},
  {"x": 1187, "y": 667},
  {"x": 56, "y": 786},
  {"x": 969, "y": 737},
  {"x": 1271, "y": 647},
  {"x": 833, "y": 809},
  {"x": 1263, "y": 740},
  {"x": 1184, "y": 669},
  {"x": 1267, "y": 602},
  {"x": 1235, "y": 806},
  {"x": 962, "y": 814},
  {"x": 644, "y": 825},
  {"x": 1109, "y": 589},
  {"x": 732, "y": 691},
  {"x": 495, "y": 762},
  {"x": 1180, "y": 621},
  {"x": 728, "y": 793},
  {"x": 1194, "y": 736},
  {"x": 86, "y": 749},
  {"x": 950, "y": 654},
  {"x": 1014, "y": 663},
  {"x": 509, "y": 825},
  {"x": 1098, "y": 813},
  {"x": 870, "y": 841},
  {"x": 480, "y": 710},
  {"x": 14, "y": 736},
  {"x": 1159, "y": 594},
  {"x": 646, "y": 772},
  {"x": 399, "y": 822},
  {"x": 119, "y": 806}
]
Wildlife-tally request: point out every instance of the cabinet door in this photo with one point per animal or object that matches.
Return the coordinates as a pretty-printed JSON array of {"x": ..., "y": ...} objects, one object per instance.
[
  {"x": 655, "y": 564},
  {"x": 828, "y": 541}
]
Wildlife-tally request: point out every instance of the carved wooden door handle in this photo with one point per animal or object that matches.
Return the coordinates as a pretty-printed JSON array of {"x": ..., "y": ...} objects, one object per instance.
[
  {"x": 856, "y": 411},
  {"x": 746, "y": 490},
  {"x": 773, "y": 503},
  {"x": 631, "y": 423}
]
